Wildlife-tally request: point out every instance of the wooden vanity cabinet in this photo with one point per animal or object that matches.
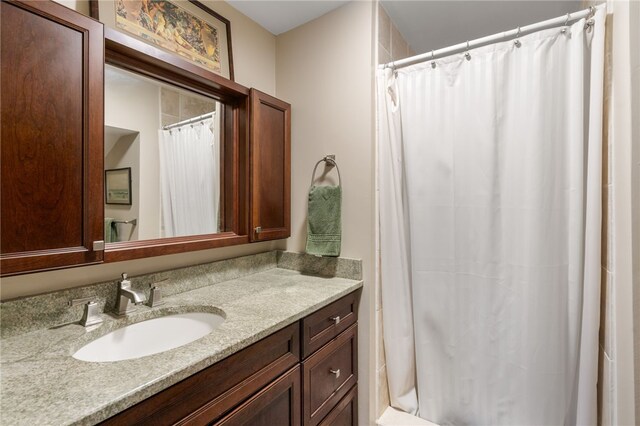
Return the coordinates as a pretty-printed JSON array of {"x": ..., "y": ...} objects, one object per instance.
[
  {"x": 52, "y": 137},
  {"x": 270, "y": 154},
  {"x": 268, "y": 383}
]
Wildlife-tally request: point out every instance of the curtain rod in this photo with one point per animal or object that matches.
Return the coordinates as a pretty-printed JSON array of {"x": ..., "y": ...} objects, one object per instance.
[
  {"x": 479, "y": 42},
  {"x": 189, "y": 121}
]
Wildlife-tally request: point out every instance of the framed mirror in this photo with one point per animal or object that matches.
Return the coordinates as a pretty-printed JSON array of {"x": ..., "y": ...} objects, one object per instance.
[
  {"x": 170, "y": 142},
  {"x": 181, "y": 133}
]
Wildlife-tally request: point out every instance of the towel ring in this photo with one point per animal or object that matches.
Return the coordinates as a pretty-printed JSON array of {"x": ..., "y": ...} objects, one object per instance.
[{"x": 330, "y": 160}]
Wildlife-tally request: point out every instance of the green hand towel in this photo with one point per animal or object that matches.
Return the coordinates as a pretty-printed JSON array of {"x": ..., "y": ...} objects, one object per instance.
[
  {"x": 110, "y": 230},
  {"x": 324, "y": 223}
]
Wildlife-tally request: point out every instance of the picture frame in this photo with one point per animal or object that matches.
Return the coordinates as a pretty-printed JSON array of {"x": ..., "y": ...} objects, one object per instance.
[
  {"x": 117, "y": 186},
  {"x": 186, "y": 28}
]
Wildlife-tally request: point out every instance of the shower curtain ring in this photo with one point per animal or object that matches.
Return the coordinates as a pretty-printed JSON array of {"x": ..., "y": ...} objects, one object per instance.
[
  {"x": 433, "y": 64},
  {"x": 566, "y": 24},
  {"x": 517, "y": 40},
  {"x": 590, "y": 21},
  {"x": 467, "y": 54}
]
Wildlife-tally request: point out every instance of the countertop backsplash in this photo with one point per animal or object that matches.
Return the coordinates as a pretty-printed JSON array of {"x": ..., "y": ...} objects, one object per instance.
[{"x": 49, "y": 310}]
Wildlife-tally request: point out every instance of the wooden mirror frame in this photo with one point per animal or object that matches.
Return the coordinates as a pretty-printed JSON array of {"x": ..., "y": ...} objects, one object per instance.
[{"x": 128, "y": 53}]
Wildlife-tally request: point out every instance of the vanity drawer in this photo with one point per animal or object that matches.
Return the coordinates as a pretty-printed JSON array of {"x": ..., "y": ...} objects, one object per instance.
[
  {"x": 213, "y": 392},
  {"x": 325, "y": 324},
  {"x": 328, "y": 375},
  {"x": 346, "y": 412}
]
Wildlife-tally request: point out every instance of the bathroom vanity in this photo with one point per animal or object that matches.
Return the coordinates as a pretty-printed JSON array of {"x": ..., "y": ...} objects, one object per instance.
[
  {"x": 305, "y": 369},
  {"x": 285, "y": 354}
]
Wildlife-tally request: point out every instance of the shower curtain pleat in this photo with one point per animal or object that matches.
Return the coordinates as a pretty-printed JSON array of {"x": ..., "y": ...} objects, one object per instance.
[
  {"x": 490, "y": 188},
  {"x": 399, "y": 344}
]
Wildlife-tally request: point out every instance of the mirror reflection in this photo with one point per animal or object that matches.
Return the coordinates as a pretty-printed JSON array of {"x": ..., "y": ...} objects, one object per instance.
[{"x": 167, "y": 142}]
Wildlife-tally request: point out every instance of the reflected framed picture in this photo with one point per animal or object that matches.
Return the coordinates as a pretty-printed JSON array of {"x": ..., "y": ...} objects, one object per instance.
[
  {"x": 186, "y": 28},
  {"x": 117, "y": 186}
]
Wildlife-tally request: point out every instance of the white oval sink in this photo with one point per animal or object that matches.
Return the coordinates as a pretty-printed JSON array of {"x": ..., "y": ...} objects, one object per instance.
[{"x": 149, "y": 337}]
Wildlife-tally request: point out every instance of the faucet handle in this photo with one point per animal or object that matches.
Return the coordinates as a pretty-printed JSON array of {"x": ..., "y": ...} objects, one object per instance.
[
  {"x": 91, "y": 314},
  {"x": 155, "y": 298},
  {"x": 124, "y": 282},
  {"x": 75, "y": 302}
]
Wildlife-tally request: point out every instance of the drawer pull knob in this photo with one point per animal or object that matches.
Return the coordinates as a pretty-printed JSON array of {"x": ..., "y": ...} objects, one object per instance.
[
  {"x": 336, "y": 319},
  {"x": 335, "y": 372}
]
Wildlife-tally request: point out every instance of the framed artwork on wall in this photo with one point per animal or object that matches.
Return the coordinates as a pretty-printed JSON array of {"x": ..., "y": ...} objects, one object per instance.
[
  {"x": 186, "y": 28},
  {"x": 117, "y": 186}
]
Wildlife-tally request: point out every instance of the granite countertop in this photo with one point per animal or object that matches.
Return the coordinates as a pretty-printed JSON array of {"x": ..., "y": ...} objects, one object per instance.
[{"x": 41, "y": 383}]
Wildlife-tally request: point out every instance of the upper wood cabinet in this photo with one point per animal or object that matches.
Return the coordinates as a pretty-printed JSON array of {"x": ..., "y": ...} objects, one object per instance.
[
  {"x": 270, "y": 167},
  {"x": 52, "y": 137},
  {"x": 52, "y": 143}
]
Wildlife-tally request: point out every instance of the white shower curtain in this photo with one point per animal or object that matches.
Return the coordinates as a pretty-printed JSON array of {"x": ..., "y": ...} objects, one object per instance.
[
  {"x": 490, "y": 192},
  {"x": 190, "y": 179}
]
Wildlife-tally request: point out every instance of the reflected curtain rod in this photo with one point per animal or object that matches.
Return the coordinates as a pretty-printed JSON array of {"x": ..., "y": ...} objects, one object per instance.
[
  {"x": 479, "y": 42},
  {"x": 189, "y": 121}
]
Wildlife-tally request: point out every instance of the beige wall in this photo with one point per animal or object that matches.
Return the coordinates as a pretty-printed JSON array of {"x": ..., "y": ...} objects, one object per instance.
[
  {"x": 635, "y": 187},
  {"x": 254, "y": 49},
  {"x": 325, "y": 70},
  {"x": 254, "y": 54}
]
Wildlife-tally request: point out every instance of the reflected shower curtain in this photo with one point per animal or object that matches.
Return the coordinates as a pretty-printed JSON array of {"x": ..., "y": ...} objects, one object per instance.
[
  {"x": 190, "y": 179},
  {"x": 490, "y": 194}
]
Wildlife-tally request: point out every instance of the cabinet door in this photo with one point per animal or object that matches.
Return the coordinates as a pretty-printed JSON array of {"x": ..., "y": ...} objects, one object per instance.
[
  {"x": 270, "y": 167},
  {"x": 345, "y": 413},
  {"x": 277, "y": 404},
  {"x": 51, "y": 152}
]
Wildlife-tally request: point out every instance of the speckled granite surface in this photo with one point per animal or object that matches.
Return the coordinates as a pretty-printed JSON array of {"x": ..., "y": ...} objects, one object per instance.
[
  {"x": 46, "y": 310},
  {"x": 42, "y": 384},
  {"x": 323, "y": 266}
]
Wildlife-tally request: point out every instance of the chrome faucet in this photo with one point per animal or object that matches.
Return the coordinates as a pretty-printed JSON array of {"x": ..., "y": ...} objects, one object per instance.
[{"x": 127, "y": 297}]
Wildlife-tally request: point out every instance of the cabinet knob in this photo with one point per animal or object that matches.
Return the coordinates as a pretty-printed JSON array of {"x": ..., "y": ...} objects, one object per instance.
[
  {"x": 258, "y": 229},
  {"x": 335, "y": 372},
  {"x": 336, "y": 319}
]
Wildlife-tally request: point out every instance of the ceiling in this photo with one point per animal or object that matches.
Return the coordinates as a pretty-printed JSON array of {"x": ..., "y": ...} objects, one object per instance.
[
  {"x": 428, "y": 25},
  {"x": 281, "y": 16},
  {"x": 425, "y": 24}
]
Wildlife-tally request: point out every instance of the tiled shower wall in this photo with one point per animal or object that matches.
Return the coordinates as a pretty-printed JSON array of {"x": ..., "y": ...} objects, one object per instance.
[
  {"x": 391, "y": 47},
  {"x": 614, "y": 403},
  {"x": 176, "y": 106}
]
